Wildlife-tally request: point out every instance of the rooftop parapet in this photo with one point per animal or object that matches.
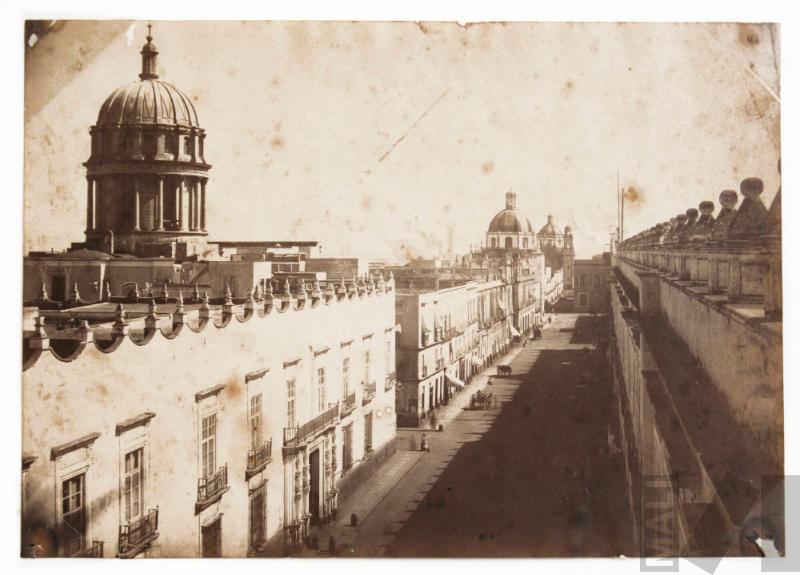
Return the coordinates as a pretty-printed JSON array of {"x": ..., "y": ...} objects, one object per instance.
[
  {"x": 66, "y": 333},
  {"x": 737, "y": 254}
]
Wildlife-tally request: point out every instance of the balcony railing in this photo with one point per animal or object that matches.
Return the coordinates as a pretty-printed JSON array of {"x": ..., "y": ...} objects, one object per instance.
[
  {"x": 370, "y": 389},
  {"x": 258, "y": 458},
  {"x": 212, "y": 487},
  {"x": 95, "y": 551},
  {"x": 390, "y": 379},
  {"x": 138, "y": 534},
  {"x": 349, "y": 403},
  {"x": 293, "y": 436}
]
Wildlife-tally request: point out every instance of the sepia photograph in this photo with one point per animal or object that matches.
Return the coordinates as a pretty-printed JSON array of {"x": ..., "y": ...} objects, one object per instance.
[{"x": 401, "y": 289}]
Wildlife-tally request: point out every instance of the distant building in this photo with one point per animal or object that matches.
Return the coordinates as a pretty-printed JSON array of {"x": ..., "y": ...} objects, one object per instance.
[
  {"x": 445, "y": 337},
  {"x": 591, "y": 284}
]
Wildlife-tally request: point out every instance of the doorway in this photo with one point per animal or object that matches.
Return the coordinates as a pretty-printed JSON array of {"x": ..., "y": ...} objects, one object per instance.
[
  {"x": 212, "y": 538},
  {"x": 313, "y": 496},
  {"x": 58, "y": 288}
]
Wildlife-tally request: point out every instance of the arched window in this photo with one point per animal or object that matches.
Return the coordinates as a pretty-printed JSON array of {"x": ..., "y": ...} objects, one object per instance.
[
  {"x": 187, "y": 146},
  {"x": 494, "y": 242},
  {"x": 582, "y": 280},
  {"x": 525, "y": 243},
  {"x": 509, "y": 243},
  {"x": 169, "y": 144}
]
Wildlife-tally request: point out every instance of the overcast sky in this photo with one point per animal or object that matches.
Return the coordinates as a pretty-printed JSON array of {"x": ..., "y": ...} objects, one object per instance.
[{"x": 392, "y": 139}]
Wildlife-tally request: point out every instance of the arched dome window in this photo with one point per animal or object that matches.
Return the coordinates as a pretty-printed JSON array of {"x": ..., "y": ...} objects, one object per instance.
[
  {"x": 525, "y": 243},
  {"x": 494, "y": 242},
  {"x": 509, "y": 243}
]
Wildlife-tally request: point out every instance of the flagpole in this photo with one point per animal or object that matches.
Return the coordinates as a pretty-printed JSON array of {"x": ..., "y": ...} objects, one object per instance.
[{"x": 621, "y": 211}]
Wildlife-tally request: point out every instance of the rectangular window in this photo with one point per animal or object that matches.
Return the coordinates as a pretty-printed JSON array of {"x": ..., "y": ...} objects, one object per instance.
[
  {"x": 208, "y": 461},
  {"x": 368, "y": 432},
  {"x": 582, "y": 280},
  {"x": 321, "y": 389},
  {"x": 346, "y": 376},
  {"x": 73, "y": 514},
  {"x": 255, "y": 421},
  {"x": 134, "y": 488},
  {"x": 258, "y": 517},
  {"x": 290, "y": 421}
]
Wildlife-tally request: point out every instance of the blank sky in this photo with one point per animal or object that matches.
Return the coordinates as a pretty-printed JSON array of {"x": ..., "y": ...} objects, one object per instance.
[{"x": 392, "y": 139}]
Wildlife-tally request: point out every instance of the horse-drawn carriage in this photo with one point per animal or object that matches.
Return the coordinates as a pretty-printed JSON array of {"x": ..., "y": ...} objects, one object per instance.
[
  {"x": 503, "y": 370},
  {"x": 480, "y": 400}
]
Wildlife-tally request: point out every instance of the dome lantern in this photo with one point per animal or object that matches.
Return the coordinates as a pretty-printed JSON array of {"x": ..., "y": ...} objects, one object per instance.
[{"x": 149, "y": 57}]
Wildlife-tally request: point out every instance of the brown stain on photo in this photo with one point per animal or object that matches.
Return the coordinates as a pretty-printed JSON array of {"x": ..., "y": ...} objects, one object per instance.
[{"x": 632, "y": 194}]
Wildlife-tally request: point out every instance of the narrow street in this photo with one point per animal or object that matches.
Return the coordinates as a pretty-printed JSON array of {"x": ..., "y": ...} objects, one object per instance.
[{"x": 536, "y": 476}]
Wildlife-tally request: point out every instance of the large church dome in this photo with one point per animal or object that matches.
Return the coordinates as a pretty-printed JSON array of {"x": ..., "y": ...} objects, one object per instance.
[
  {"x": 510, "y": 220},
  {"x": 148, "y": 101}
]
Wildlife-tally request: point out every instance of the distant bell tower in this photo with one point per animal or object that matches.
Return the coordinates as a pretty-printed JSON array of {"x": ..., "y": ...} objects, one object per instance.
[{"x": 147, "y": 174}]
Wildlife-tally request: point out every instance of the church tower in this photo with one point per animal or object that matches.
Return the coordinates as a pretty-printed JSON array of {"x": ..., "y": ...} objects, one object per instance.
[{"x": 147, "y": 174}]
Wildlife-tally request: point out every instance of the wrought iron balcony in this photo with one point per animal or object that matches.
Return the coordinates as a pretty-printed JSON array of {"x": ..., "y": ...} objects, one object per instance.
[
  {"x": 349, "y": 403},
  {"x": 370, "y": 389},
  {"x": 258, "y": 458},
  {"x": 390, "y": 379},
  {"x": 294, "y": 436},
  {"x": 211, "y": 488},
  {"x": 95, "y": 551},
  {"x": 135, "y": 536}
]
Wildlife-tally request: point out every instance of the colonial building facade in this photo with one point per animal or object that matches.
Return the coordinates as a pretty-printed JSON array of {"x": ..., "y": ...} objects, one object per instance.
[
  {"x": 445, "y": 337},
  {"x": 182, "y": 398}
]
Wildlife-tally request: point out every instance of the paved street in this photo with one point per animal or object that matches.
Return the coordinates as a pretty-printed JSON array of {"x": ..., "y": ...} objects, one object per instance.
[{"x": 536, "y": 476}]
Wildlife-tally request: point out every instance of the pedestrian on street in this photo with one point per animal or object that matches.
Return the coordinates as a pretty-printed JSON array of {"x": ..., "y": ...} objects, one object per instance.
[{"x": 423, "y": 443}]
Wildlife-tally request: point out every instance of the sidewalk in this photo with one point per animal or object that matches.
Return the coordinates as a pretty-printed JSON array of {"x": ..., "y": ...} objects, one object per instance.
[{"x": 361, "y": 503}]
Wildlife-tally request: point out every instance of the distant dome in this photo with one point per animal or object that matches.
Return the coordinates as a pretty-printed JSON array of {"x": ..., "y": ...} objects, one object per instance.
[
  {"x": 148, "y": 101},
  {"x": 510, "y": 220},
  {"x": 549, "y": 229}
]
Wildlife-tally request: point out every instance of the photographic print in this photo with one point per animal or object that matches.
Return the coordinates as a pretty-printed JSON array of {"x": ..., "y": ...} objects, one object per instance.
[{"x": 402, "y": 290}]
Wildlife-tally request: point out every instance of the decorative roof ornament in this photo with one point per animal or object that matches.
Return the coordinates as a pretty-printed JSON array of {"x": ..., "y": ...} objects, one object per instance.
[
  {"x": 702, "y": 228},
  {"x": 120, "y": 314},
  {"x": 204, "y": 305},
  {"x": 316, "y": 290},
  {"x": 228, "y": 295},
  {"x": 196, "y": 293},
  {"x": 165, "y": 292},
  {"x": 257, "y": 292},
  {"x": 728, "y": 200},
  {"x": 751, "y": 217},
  {"x": 179, "y": 307},
  {"x": 287, "y": 288},
  {"x": 107, "y": 295},
  {"x": 74, "y": 294},
  {"x": 43, "y": 294},
  {"x": 268, "y": 291},
  {"x": 151, "y": 309}
]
